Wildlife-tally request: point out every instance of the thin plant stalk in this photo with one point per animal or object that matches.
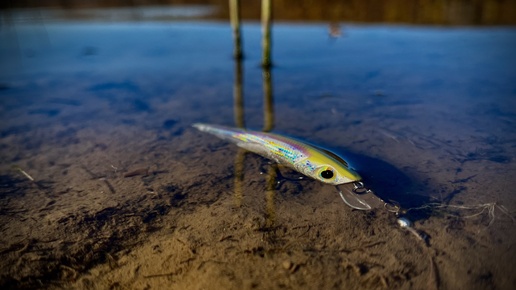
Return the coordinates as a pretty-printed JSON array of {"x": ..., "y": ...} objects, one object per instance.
[
  {"x": 266, "y": 33},
  {"x": 268, "y": 102},
  {"x": 234, "y": 17}
]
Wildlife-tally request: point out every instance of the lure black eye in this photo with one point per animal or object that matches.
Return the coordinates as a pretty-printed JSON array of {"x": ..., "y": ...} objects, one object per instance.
[{"x": 327, "y": 174}]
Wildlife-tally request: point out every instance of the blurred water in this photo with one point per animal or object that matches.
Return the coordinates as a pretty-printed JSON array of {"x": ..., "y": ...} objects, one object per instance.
[{"x": 424, "y": 113}]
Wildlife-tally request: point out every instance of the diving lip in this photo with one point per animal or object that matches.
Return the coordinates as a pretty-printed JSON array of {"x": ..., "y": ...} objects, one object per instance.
[
  {"x": 364, "y": 200},
  {"x": 353, "y": 200}
]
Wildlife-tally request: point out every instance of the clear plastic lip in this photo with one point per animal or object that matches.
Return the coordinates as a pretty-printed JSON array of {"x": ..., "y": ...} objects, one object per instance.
[{"x": 356, "y": 196}]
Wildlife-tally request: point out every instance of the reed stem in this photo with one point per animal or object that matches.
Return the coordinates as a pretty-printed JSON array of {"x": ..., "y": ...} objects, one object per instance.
[
  {"x": 234, "y": 16},
  {"x": 266, "y": 33}
]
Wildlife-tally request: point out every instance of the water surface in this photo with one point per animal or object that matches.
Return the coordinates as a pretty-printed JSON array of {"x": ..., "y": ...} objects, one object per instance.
[{"x": 99, "y": 115}]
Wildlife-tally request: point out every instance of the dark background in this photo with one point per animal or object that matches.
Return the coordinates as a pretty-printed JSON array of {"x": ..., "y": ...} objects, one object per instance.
[{"x": 437, "y": 12}]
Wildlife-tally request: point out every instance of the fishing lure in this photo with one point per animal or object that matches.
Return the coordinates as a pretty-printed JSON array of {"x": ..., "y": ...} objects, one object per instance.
[{"x": 314, "y": 162}]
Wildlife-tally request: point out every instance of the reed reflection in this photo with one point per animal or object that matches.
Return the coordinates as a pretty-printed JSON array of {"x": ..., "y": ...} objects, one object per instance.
[
  {"x": 238, "y": 98},
  {"x": 268, "y": 101},
  {"x": 239, "y": 176},
  {"x": 268, "y": 125},
  {"x": 238, "y": 110},
  {"x": 272, "y": 171},
  {"x": 239, "y": 117},
  {"x": 270, "y": 196}
]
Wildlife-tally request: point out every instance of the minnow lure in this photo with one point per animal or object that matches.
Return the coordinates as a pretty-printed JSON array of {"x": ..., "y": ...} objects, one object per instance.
[
  {"x": 317, "y": 163},
  {"x": 314, "y": 162}
]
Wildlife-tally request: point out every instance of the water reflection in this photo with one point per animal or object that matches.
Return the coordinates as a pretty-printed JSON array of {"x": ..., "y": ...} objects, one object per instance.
[
  {"x": 270, "y": 195},
  {"x": 239, "y": 176},
  {"x": 268, "y": 125},
  {"x": 268, "y": 101},
  {"x": 238, "y": 97}
]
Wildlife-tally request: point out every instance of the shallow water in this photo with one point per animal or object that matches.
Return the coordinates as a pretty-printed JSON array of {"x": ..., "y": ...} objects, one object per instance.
[{"x": 127, "y": 194}]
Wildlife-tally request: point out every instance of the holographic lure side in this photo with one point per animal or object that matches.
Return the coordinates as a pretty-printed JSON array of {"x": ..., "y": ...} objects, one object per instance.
[{"x": 309, "y": 160}]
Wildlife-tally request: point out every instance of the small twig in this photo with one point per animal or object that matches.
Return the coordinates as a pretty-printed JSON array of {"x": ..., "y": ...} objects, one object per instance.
[
  {"x": 24, "y": 173},
  {"x": 141, "y": 171},
  {"x": 211, "y": 261},
  {"x": 25, "y": 247},
  {"x": 225, "y": 238},
  {"x": 162, "y": 275},
  {"x": 187, "y": 260}
]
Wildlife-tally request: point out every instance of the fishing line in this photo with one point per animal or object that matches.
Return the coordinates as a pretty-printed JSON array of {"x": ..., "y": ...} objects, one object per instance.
[{"x": 481, "y": 208}]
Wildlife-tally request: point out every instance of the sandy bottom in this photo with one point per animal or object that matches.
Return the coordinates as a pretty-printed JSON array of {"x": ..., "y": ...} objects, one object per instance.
[{"x": 151, "y": 212}]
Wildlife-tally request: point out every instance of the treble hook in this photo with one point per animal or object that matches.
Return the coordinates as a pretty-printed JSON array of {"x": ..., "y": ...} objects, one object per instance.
[
  {"x": 359, "y": 188},
  {"x": 368, "y": 198}
]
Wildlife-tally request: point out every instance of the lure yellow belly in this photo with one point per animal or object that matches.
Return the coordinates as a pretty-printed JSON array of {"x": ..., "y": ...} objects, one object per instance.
[{"x": 309, "y": 160}]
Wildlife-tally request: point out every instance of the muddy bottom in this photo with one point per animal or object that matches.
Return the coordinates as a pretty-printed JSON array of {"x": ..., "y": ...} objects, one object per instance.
[{"x": 104, "y": 184}]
